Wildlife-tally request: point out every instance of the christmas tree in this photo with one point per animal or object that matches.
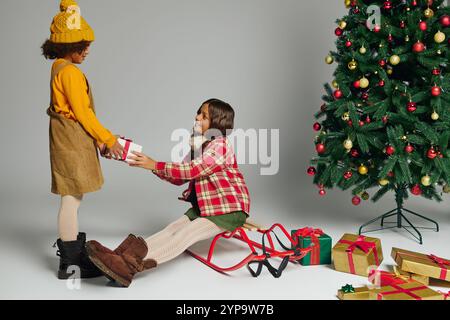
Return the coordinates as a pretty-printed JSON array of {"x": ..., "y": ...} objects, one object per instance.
[{"x": 387, "y": 118}]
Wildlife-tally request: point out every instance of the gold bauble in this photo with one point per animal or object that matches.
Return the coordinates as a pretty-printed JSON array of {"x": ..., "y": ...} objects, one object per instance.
[
  {"x": 365, "y": 196},
  {"x": 348, "y": 144},
  {"x": 329, "y": 59},
  {"x": 404, "y": 138},
  {"x": 389, "y": 71},
  {"x": 439, "y": 51},
  {"x": 446, "y": 189},
  {"x": 439, "y": 37},
  {"x": 342, "y": 24},
  {"x": 383, "y": 182},
  {"x": 352, "y": 65},
  {"x": 346, "y": 116},
  {"x": 363, "y": 169},
  {"x": 429, "y": 13},
  {"x": 362, "y": 50},
  {"x": 347, "y": 3},
  {"x": 435, "y": 116},
  {"x": 426, "y": 180},
  {"x": 335, "y": 84},
  {"x": 394, "y": 60},
  {"x": 363, "y": 82}
]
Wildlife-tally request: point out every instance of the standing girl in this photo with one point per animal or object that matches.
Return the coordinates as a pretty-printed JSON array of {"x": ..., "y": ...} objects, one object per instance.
[
  {"x": 217, "y": 192},
  {"x": 75, "y": 134}
]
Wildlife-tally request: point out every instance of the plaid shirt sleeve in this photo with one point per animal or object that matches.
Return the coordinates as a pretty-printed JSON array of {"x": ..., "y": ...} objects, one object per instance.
[
  {"x": 177, "y": 182},
  {"x": 213, "y": 159}
]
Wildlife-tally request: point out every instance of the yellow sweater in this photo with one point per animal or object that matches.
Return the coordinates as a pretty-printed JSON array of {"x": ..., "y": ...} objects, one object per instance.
[{"x": 71, "y": 98}]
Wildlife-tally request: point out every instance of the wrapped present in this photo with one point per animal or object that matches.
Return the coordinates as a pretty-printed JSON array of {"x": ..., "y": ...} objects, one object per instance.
[
  {"x": 384, "y": 278},
  {"x": 411, "y": 290},
  {"x": 347, "y": 292},
  {"x": 128, "y": 147},
  {"x": 445, "y": 295},
  {"x": 315, "y": 239},
  {"x": 427, "y": 265},
  {"x": 355, "y": 254}
]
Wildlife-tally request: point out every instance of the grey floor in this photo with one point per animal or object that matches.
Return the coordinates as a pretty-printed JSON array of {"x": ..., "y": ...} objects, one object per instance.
[{"x": 28, "y": 268}]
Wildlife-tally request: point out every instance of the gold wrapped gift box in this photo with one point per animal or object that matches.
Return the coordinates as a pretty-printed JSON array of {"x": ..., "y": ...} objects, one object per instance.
[
  {"x": 412, "y": 290},
  {"x": 349, "y": 293}
]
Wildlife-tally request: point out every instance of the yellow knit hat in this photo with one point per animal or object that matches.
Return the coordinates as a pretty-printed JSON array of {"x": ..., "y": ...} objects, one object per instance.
[{"x": 68, "y": 26}]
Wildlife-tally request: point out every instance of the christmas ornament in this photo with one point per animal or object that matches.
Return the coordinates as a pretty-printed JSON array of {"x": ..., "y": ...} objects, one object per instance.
[
  {"x": 361, "y": 123},
  {"x": 382, "y": 63},
  {"x": 311, "y": 171},
  {"x": 356, "y": 200},
  {"x": 409, "y": 148},
  {"x": 350, "y": 123},
  {"x": 352, "y": 65},
  {"x": 342, "y": 24},
  {"x": 436, "y": 71},
  {"x": 338, "y": 31},
  {"x": 394, "y": 60},
  {"x": 337, "y": 94},
  {"x": 415, "y": 190},
  {"x": 365, "y": 96},
  {"x": 317, "y": 126},
  {"x": 322, "y": 192},
  {"x": 348, "y": 144},
  {"x": 389, "y": 71},
  {"x": 390, "y": 150},
  {"x": 439, "y": 37},
  {"x": 329, "y": 59},
  {"x": 347, "y": 3},
  {"x": 385, "y": 119},
  {"x": 348, "y": 175},
  {"x": 387, "y": 5},
  {"x": 368, "y": 120},
  {"x": 363, "y": 169},
  {"x": 435, "y": 91},
  {"x": 429, "y": 13},
  {"x": 320, "y": 148},
  {"x": 357, "y": 84},
  {"x": 383, "y": 182},
  {"x": 354, "y": 153},
  {"x": 407, "y": 38},
  {"x": 426, "y": 180},
  {"x": 365, "y": 196},
  {"x": 445, "y": 21},
  {"x": 362, "y": 50},
  {"x": 335, "y": 84},
  {"x": 446, "y": 189},
  {"x": 402, "y": 24},
  {"x": 348, "y": 43},
  {"x": 434, "y": 116},
  {"x": 418, "y": 47},
  {"x": 381, "y": 83},
  {"x": 346, "y": 116},
  {"x": 376, "y": 28},
  {"x": 363, "y": 82},
  {"x": 390, "y": 38},
  {"x": 431, "y": 153},
  {"x": 356, "y": 10},
  {"x": 423, "y": 25},
  {"x": 391, "y": 174},
  {"x": 411, "y": 106}
]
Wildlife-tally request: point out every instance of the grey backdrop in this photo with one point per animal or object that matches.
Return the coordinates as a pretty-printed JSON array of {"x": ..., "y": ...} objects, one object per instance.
[{"x": 151, "y": 66}]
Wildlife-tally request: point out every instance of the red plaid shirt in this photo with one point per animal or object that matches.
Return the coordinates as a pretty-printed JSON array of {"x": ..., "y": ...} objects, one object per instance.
[{"x": 219, "y": 185}]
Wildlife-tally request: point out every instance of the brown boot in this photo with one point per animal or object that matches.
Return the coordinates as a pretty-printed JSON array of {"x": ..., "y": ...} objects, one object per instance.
[
  {"x": 122, "y": 267},
  {"x": 98, "y": 247}
]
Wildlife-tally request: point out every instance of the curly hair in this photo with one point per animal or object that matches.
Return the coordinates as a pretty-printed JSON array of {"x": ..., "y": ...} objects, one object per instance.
[{"x": 52, "y": 50}]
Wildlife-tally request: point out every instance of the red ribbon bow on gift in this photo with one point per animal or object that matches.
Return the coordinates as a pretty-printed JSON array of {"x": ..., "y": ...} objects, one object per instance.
[
  {"x": 362, "y": 244},
  {"x": 443, "y": 264},
  {"x": 314, "y": 234},
  {"x": 126, "y": 148},
  {"x": 384, "y": 278}
]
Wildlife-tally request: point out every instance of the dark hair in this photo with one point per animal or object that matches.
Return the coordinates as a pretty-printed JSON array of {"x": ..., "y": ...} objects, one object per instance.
[
  {"x": 52, "y": 50},
  {"x": 221, "y": 115}
]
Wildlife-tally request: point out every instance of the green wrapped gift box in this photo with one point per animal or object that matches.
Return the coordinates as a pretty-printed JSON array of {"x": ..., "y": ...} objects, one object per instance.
[{"x": 318, "y": 241}]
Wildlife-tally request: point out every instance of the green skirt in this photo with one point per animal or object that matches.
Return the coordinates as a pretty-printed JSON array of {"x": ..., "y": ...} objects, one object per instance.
[{"x": 229, "y": 221}]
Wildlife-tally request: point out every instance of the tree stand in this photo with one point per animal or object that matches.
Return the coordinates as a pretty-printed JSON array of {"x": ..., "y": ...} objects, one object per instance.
[{"x": 400, "y": 193}]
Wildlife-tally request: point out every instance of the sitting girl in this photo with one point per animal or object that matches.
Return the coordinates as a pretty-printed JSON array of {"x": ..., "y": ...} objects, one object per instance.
[{"x": 217, "y": 191}]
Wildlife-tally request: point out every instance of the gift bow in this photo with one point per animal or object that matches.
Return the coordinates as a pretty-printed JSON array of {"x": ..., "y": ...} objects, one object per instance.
[
  {"x": 126, "y": 147},
  {"x": 362, "y": 244},
  {"x": 314, "y": 234},
  {"x": 443, "y": 264},
  {"x": 348, "y": 288},
  {"x": 387, "y": 278}
]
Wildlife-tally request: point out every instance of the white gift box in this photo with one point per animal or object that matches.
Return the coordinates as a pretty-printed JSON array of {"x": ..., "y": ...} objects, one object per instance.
[{"x": 128, "y": 146}]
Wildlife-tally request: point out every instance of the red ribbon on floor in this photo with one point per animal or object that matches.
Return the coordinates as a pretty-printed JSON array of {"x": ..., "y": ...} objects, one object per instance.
[
  {"x": 443, "y": 264},
  {"x": 126, "y": 148},
  {"x": 363, "y": 245},
  {"x": 402, "y": 290},
  {"x": 314, "y": 234}
]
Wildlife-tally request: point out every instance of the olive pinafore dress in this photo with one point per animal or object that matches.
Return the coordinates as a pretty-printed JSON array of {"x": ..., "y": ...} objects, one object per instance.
[{"x": 74, "y": 159}]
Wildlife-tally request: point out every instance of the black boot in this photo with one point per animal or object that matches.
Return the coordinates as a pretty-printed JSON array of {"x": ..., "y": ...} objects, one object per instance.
[{"x": 74, "y": 259}]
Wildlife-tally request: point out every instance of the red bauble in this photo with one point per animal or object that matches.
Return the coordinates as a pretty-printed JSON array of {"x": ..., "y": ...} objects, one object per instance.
[
  {"x": 387, "y": 5},
  {"x": 390, "y": 150},
  {"x": 411, "y": 106},
  {"x": 361, "y": 123},
  {"x": 382, "y": 63},
  {"x": 390, "y": 38},
  {"x": 350, "y": 123},
  {"x": 320, "y": 148},
  {"x": 436, "y": 72},
  {"x": 435, "y": 91},
  {"x": 365, "y": 96},
  {"x": 390, "y": 174},
  {"x": 402, "y": 24},
  {"x": 311, "y": 171},
  {"x": 317, "y": 126},
  {"x": 377, "y": 28},
  {"x": 338, "y": 32},
  {"x": 348, "y": 43},
  {"x": 338, "y": 94},
  {"x": 381, "y": 83},
  {"x": 356, "y": 10},
  {"x": 423, "y": 25},
  {"x": 414, "y": 3},
  {"x": 348, "y": 175},
  {"x": 418, "y": 47},
  {"x": 322, "y": 192},
  {"x": 445, "y": 21},
  {"x": 368, "y": 120},
  {"x": 431, "y": 153},
  {"x": 416, "y": 190},
  {"x": 385, "y": 119},
  {"x": 354, "y": 153},
  {"x": 409, "y": 148},
  {"x": 356, "y": 84},
  {"x": 356, "y": 200}
]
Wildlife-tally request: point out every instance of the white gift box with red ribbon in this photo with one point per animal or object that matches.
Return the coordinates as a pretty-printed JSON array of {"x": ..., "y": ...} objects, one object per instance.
[{"x": 128, "y": 146}]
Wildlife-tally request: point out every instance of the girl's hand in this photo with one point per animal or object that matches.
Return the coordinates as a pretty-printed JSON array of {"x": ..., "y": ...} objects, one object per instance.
[
  {"x": 142, "y": 161},
  {"x": 101, "y": 148}
]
